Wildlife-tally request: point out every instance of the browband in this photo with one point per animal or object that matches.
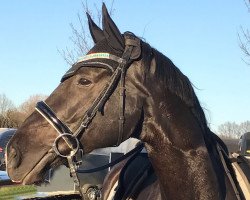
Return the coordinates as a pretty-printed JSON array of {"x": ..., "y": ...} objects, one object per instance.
[
  {"x": 101, "y": 56},
  {"x": 86, "y": 61}
]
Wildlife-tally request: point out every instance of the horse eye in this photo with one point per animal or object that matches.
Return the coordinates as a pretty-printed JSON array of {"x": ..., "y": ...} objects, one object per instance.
[{"x": 84, "y": 81}]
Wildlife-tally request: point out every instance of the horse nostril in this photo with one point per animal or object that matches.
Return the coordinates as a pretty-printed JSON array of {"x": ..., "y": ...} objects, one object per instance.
[{"x": 14, "y": 158}]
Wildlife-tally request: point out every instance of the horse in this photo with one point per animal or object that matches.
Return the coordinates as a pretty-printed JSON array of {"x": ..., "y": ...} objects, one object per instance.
[{"x": 125, "y": 88}]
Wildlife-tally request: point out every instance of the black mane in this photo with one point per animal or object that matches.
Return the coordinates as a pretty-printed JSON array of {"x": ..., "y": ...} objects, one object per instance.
[
  {"x": 175, "y": 81},
  {"x": 179, "y": 84}
]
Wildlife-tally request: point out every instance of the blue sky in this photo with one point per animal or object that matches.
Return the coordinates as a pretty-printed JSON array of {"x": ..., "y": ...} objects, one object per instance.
[{"x": 200, "y": 37}]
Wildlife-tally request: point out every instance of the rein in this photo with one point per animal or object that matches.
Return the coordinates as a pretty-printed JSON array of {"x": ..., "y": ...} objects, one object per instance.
[
  {"x": 134, "y": 151},
  {"x": 222, "y": 153},
  {"x": 132, "y": 52}
]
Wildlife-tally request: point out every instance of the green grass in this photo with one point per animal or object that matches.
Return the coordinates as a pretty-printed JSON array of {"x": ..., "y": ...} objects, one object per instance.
[{"x": 10, "y": 192}]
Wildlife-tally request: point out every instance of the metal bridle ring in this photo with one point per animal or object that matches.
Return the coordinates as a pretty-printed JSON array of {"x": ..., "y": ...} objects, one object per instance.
[{"x": 72, "y": 152}]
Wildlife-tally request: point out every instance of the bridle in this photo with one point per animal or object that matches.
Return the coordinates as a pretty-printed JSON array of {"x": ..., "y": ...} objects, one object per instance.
[{"x": 132, "y": 52}]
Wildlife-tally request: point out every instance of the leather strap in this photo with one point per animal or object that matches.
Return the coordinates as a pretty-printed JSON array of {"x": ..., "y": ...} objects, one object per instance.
[
  {"x": 227, "y": 171},
  {"x": 134, "y": 151}
]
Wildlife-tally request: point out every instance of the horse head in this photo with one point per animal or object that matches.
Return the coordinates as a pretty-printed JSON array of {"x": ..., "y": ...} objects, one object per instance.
[{"x": 90, "y": 94}]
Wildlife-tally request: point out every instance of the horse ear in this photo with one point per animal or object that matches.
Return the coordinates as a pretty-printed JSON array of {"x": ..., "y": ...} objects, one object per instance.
[
  {"x": 111, "y": 31},
  {"x": 96, "y": 33}
]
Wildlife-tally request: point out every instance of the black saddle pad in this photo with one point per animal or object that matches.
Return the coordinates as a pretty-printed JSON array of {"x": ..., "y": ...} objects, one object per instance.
[{"x": 135, "y": 172}]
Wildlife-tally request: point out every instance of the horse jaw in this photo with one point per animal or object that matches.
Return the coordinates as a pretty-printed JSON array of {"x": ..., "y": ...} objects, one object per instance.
[{"x": 37, "y": 174}]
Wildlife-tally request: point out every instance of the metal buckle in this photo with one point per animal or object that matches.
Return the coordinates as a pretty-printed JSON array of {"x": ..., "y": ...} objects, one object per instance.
[
  {"x": 79, "y": 157},
  {"x": 72, "y": 152}
]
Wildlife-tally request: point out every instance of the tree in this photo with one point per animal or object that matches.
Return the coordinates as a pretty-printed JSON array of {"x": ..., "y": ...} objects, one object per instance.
[
  {"x": 27, "y": 107},
  {"x": 7, "y": 110},
  {"x": 244, "y": 38},
  {"x": 12, "y": 117},
  {"x": 245, "y": 127},
  {"x": 229, "y": 130},
  {"x": 233, "y": 130},
  {"x": 5, "y": 104},
  {"x": 81, "y": 38}
]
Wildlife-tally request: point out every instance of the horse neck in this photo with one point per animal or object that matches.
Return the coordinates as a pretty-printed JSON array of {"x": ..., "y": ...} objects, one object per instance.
[{"x": 176, "y": 148}]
